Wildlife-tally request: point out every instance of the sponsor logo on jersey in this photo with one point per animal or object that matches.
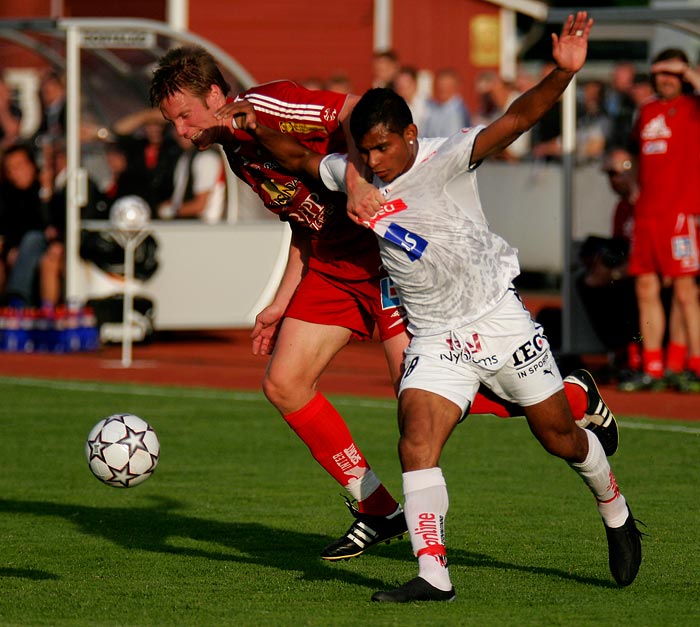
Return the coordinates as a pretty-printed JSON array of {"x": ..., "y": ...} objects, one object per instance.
[
  {"x": 329, "y": 114},
  {"x": 311, "y": 213},
  {"x": 685, "y": 252},
  {"x": 413, "y": 244},
  {"x": 390, "y": 297},
  {"x": 430, "y": 156},
  {"x": 533, "y": 356},
  {"x": 656, "y": 128},
  {"x": 302, "y": 128},
  {"x": 279, "y": 194},
  {"x": 658, "y": 147},
  {"x": 388, "y": 208}
]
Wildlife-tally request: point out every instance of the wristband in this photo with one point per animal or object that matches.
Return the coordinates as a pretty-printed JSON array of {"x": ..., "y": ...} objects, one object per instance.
[{"x": 234, "y": 123}]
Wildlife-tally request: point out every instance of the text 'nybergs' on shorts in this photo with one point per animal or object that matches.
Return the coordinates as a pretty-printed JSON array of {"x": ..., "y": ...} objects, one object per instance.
[{"x": 505, "y": 350}]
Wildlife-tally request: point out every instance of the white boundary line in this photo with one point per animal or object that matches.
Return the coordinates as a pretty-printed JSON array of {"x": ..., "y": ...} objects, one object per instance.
[{"x": 213, "y": 394}]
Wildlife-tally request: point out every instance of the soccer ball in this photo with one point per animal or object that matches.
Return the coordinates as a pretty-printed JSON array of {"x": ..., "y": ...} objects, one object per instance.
[{"x": 122, "y": 450}]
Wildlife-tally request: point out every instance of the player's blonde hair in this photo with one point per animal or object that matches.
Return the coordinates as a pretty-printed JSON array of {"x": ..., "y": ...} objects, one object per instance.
[{"x": 189, "y": 68}]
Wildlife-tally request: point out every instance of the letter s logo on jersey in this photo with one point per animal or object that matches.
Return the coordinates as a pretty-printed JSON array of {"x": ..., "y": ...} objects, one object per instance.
[{"x": 413, "y": 244}]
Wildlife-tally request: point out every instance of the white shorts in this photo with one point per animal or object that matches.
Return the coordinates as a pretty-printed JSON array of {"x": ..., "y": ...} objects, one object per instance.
[{"x": 505, "y": 350}]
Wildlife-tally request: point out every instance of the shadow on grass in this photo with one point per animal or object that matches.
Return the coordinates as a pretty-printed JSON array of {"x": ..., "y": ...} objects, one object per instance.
[
  {"x": 26, "y": 573},
  {"x": 162, "y": 529},
  {"x": 459, "y": 558}
]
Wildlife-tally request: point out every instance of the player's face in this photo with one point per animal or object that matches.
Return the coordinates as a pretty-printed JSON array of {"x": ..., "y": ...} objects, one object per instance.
[
  {"x": 388, "y": 154},
  {"x": 193, "y": 117}
]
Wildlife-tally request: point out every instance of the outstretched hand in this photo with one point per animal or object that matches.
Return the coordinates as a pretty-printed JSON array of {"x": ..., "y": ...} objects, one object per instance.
[
  {"x": 242, "y": 114},
  {"x": 569, "y": 49},
  {"x": 264, "y": 334}
]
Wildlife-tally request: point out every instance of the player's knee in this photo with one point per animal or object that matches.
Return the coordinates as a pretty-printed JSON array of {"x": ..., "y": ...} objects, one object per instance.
[
  {"x": 570, "y": 446},
  {"x": 416, "y": 453},
  {"x": 285, "y": 393}
]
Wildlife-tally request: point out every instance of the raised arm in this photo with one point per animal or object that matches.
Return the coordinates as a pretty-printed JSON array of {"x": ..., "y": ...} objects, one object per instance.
[
  {"x": 569, "y": 51},
  {"x": 364, "y": 199},
  {"x": 679, "y": 68}
]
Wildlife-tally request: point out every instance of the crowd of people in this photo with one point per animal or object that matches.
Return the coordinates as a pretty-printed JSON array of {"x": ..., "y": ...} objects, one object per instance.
[
  {"x": 144, "y": 158},
  {"x": 654, "y": 341},
  {"x": 606, "y": 107},
  {"x": 141, "y": 157}
]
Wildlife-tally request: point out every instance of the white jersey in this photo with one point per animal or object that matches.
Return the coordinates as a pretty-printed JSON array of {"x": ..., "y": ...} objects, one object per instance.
[{"x": 449, "y": 268}]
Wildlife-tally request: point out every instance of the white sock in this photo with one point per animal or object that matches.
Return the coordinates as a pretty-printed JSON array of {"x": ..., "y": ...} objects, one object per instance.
[
  {"x": 360, "y": 488},
  {"x": 597, "y": 475},
  {"x": 425, "y": 506}
]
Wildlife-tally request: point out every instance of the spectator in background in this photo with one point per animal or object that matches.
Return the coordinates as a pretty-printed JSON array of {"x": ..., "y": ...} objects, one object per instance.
[
  {"x": 199, "y": 183},
  {"x": 52, "y": 95},
  {"x": 10, "y": 117},
  {"x": 447, "y": 112},
  {"x": 665, "y": 242},
  {"x": 339, "y": 83},
  {"x": 41, "y": 253},
  {"x": 151, "y": 154},
  {"x": 385, "y": 67},
  {"x": 495, "y": 96},
  {"x": 312, "y": 82},
  {"x": 605, "y": 284},
  {"x": 642, "y": 91},
  {"x": 406, "y": 86},
  {"x": 100, "y": 247},
  {"x": 619, "y": 102},
  {"x": 546, "y": 134},
  {"x": 122, "y": 179},
  {"x": 524, "y": 80},
  {"x": 593, "y": 125},
  {"x": 21, "y": 210}
]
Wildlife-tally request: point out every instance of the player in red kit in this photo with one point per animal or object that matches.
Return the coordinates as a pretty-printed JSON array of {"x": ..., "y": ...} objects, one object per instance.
[
  {"x": 665, "y": 239},
  {"x": 333, "y": 288}
]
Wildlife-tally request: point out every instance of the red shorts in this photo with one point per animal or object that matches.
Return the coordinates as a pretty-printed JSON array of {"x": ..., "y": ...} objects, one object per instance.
[
  {"x": 668, "y": 247},
  {"x": 355, "y": 305}
]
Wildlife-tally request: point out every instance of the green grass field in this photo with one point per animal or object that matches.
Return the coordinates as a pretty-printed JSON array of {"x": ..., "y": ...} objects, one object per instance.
[{"x": 229, "y": 528}]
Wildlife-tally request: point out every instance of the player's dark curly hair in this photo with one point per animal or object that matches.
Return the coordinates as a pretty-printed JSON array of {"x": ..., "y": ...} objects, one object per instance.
[
  {"x": 189, "y": 68},
  {"x": 379, "y": 106}
]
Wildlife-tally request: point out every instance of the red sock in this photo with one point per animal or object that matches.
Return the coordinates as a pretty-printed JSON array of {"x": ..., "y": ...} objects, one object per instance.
[
  {"x": 634, "y": 356},
  {"x": 653, "y": 361},
  {"x": 675, "y": 357},
  {"x": 694, "y": 364},
  {"x": 489, "y": 403},
  {"x": 578, "y": 399},
  {"x": 324, "y": 431},
  {"x": 379, "y": 503}
]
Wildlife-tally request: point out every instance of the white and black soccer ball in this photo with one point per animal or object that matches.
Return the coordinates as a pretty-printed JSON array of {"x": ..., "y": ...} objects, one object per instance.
[{"x": 122, "y": 450}]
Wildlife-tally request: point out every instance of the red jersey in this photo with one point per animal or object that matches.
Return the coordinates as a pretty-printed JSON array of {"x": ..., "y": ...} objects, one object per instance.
[
  {"x": 339, "y": 247},
  {"x": 668, "y": 135}
]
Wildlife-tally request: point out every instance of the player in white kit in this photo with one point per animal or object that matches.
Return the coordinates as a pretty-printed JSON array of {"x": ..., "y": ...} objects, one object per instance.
[{"x": 468, "y": 325}]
